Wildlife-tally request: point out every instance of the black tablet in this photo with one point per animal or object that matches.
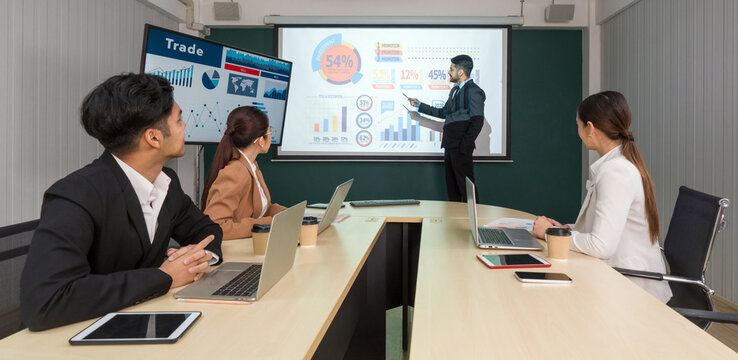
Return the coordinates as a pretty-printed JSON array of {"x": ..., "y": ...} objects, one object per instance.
[{"x": 136, "y": 328}]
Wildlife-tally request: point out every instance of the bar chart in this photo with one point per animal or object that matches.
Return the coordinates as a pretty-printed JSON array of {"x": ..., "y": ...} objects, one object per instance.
[
  {"x": 333, "y": 124},
  {"x": 180, "y": 77},
  {"x": 408, "y": 130}
]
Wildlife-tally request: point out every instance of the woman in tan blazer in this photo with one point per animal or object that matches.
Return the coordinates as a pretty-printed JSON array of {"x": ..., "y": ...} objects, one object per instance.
[{"x": 235, "y": 195}]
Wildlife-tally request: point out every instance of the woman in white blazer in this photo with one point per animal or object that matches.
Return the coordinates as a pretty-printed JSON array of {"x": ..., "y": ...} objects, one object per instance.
[{"x": 618, "y": 221}]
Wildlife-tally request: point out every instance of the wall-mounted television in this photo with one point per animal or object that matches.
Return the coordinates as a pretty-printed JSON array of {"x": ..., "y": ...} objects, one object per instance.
[{"x": 211, "y": 79}]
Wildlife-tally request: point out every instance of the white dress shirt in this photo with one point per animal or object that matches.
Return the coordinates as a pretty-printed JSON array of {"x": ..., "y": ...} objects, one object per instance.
[
  {"x": 151, "y": 197},
  {"x": 264, "y": 201},
  {"x": 612, "y": 223}
]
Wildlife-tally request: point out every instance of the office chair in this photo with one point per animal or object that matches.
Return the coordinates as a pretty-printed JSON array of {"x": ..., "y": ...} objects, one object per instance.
[
  {"x": 695, "y": 223},
  {"x": 14, "y": 242}
]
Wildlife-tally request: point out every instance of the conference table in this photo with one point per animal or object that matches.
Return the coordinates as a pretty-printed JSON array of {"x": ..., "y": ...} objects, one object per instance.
[{"x": 462, "y": 309}]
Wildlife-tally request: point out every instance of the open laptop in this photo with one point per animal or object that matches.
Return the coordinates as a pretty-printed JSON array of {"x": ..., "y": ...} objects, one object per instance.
[
  {"x": 494, "y": 238},
  {"x": 250, "y": 281},
  {"x": 334, "y": 205}
]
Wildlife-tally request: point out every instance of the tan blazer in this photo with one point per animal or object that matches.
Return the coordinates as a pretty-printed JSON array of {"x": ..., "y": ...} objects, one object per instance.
[{"x": 234, "y": 202}]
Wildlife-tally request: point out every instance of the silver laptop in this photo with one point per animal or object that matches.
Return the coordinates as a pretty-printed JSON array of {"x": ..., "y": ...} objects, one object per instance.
[
  {"x": 250, "y": 281},
  {"x": 494, "y": 238},
  {"x": 334, "y": 205}
]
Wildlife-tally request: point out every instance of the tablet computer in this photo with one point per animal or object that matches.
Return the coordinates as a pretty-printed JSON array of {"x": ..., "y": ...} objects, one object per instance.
[
  {"x": 512, "y": 261},
  {"x": 136, "y": 328}
]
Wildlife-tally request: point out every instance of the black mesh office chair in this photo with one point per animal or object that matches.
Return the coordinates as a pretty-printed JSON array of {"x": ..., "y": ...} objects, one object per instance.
[
  {"x": 14, "y": 242},
  {"x": 697, "y": 219}
]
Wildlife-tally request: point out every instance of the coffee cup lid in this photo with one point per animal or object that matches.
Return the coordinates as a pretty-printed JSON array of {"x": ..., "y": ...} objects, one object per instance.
[
  {"x": 309, "y": 220},
  {"x": 261, "y": 228},
  {"x": 557, "y": 231}
]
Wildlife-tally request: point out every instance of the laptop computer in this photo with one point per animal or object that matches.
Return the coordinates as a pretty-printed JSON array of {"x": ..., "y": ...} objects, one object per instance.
[
  {"x": 334, "y": 205},
  {"x": 494, "y": 238},
  {"x": 250, "y": 281}
]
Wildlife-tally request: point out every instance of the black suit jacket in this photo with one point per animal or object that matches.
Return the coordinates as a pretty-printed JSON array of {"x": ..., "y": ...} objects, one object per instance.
[
  {"x": 91, "y": 253},
  {"x": 464, "y": 115}
]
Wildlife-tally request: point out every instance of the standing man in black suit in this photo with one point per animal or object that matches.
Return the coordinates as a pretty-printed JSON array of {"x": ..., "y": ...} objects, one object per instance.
[
  {"x": 464, "y": 115},
  {"x": 101, "y": 244}
]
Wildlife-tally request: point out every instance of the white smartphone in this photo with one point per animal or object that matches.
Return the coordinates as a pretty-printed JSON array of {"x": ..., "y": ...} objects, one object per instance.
[
  {"x": 543, "y": 277},
  {"x": 136, "y": 328},
  {"x": 502, "y": 261}
]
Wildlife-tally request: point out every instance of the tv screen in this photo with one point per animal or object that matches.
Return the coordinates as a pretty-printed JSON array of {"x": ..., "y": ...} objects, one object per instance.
[
  {"x": 350, "y": 87},
  {"x": 211, "y": 79}
]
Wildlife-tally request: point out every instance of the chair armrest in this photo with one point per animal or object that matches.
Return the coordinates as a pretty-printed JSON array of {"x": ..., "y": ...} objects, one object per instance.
[
  {"x": 14, "y": 253},
  {"x": 708, "y": 315},
  {"x": 640, "y": 274},
  {"x": 662, "y": 277}
]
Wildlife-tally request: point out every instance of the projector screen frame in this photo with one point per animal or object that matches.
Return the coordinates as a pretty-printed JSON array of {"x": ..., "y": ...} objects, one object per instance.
[
  {"x": 277, "y": 156},
  {"x": 142, "y": 70}
]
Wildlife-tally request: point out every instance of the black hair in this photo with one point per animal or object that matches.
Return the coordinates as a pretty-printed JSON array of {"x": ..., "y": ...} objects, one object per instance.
[
  {"x": 463, "y": 62},
  {"x": 117, "y": 111}
]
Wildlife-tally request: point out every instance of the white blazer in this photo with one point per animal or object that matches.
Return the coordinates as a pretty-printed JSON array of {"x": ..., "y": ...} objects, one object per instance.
[{"x": 612, "y": 223}]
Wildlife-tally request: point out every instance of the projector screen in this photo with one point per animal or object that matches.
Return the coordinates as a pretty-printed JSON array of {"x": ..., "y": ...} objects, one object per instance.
[
  {"x": 211, "y": 79},
  {"x": 349, "y": 87}
]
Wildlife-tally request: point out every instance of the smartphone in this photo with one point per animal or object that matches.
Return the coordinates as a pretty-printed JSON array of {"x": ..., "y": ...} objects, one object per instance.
[
  {"x": 543, "y": 277},
  {"x": 512, "y": 261},
  {"x": 322, "y": 206}
]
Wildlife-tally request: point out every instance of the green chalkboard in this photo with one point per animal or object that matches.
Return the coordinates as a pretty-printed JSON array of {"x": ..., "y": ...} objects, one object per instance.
[{"x": 544, "y": 177}]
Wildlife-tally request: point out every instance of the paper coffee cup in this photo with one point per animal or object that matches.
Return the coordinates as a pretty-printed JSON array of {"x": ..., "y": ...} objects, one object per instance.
[
  {"x": 260, "y": 236},
  {"x": 558, "y": 243},
  {"x": 309, "y": 231}
]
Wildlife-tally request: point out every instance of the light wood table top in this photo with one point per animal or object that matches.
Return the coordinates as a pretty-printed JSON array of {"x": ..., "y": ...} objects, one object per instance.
[
  {"x": 287, "y": 323},
  {"x": 428, "y": 209},
  {"x": 464, "y": 310}
]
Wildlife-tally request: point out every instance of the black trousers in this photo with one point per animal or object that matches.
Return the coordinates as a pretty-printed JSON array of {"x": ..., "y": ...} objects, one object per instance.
[{"x": 458, "y": 167}]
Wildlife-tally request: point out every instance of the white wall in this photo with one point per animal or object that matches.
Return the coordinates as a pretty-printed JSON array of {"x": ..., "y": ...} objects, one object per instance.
[
  {"x": 676, "y": 61},
  {"x": 606, "y": 9},
  {"x": 253, "y": 12},
  {"x": 53, "y": 52}
]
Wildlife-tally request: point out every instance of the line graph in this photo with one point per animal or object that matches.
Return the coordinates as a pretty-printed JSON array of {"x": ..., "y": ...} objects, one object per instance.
[{"x": 207, "y": 117}]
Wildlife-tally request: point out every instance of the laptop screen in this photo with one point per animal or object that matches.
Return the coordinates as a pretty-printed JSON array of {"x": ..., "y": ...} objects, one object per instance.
[
  {"x": 334, "y": 205},
  {"x": 472, "y": 205}
]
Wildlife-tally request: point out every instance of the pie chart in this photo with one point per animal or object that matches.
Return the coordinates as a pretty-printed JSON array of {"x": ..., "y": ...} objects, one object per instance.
[{"x": 210, "y": 79}]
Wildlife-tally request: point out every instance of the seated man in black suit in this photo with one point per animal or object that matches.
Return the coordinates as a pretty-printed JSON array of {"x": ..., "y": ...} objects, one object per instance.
[{"x": 101, "y": 244}]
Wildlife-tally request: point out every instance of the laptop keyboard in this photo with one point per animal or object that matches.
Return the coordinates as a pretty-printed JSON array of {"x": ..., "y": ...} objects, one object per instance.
[
  {"x": 489, "y": 236},
  {"x": 244, "y": 284}
]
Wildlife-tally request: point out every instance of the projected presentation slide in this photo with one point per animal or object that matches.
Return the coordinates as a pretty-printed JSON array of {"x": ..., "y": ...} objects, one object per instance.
[
  {"x": 211, "y": 79},
  {"x": 348, "y": 87}
]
